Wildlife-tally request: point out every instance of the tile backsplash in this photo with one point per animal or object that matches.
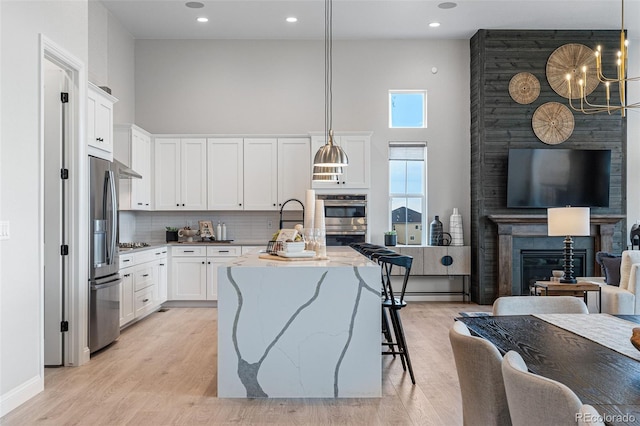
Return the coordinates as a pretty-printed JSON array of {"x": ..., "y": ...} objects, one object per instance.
[{"x": 241, "y": 225}]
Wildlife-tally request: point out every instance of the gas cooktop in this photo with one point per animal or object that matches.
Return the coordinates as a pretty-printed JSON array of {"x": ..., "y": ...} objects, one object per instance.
[{"x": 132, "y": 245}]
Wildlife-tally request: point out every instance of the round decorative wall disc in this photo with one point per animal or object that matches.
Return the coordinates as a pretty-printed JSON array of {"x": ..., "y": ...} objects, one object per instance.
[
  {"x": 569, "y": 59},
  {"x": 553, "y": 123},
  {"x": 524, "y": 88}
]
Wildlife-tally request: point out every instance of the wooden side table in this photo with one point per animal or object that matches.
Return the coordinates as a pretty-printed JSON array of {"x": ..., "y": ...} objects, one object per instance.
[{"x": 554, "y": 288}]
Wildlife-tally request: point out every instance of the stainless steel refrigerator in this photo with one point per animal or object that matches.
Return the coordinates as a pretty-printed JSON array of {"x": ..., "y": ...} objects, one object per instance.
[{"x": 104, "y": 276}]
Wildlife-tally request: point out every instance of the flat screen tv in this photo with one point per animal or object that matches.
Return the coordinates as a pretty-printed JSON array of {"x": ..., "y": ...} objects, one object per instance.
[{"x": 540, "y": 178}]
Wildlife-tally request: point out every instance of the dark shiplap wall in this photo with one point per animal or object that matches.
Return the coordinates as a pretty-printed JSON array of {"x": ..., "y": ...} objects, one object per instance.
[{"x": 499, "y": 123}]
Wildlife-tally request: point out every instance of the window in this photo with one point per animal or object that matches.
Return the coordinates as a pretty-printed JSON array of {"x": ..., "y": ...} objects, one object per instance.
[
  {"x": 407, "y": 190},
  {"x": 407, "y": 109}
]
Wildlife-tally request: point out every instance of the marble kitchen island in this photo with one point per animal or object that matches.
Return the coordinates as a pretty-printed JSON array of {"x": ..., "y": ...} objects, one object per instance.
[{"x": 299, "y": 328}]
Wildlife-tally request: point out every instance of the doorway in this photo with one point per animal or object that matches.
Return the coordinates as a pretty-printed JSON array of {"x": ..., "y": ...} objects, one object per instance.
[{"x": 56, "y": 266}]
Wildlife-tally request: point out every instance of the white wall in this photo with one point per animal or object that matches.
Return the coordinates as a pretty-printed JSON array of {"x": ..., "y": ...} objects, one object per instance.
[
  {"x": 21, "y": 370},
  {"x": 633, "y": 134},
  {"x": 277, "y": 87},
  {"x": 111, "y": 60}
]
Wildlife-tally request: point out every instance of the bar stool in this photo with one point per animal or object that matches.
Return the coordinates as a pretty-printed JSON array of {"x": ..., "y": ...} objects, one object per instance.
[{"x": 394, "y": 301}]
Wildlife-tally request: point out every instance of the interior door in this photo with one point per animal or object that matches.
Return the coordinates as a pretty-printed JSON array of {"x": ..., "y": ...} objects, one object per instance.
[{"x": 55, "y": 223}]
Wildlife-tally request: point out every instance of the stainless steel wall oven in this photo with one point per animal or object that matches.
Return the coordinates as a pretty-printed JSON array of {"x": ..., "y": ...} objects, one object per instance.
[{"x": 345, "y": 218}]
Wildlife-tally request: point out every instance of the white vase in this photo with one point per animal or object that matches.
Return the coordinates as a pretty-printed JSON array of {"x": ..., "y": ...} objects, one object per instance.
[{"x": 455, "y": 228}]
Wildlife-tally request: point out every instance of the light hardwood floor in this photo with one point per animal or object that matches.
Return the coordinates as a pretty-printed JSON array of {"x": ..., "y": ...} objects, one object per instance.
[{"x": 163, "y": 371}]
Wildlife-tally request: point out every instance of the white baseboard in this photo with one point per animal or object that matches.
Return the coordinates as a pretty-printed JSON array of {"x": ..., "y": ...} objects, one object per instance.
[{"x": 18, "y": 396}]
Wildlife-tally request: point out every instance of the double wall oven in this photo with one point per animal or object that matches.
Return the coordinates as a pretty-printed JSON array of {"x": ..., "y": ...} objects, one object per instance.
[{"x": 345, "y": 218}]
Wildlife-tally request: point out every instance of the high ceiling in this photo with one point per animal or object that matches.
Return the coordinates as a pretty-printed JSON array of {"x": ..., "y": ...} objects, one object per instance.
[{"x": 364, "y": 19}]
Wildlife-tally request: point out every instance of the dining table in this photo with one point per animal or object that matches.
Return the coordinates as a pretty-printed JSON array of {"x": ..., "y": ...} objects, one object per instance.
[{"x": 589, "y": 353}]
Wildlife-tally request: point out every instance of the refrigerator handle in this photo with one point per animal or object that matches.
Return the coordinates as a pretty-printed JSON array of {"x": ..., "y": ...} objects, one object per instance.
[{"x": 111, "y": 185}]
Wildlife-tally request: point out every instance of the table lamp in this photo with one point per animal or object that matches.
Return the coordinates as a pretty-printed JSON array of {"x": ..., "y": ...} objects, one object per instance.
[{"x": 568, "y": 222}]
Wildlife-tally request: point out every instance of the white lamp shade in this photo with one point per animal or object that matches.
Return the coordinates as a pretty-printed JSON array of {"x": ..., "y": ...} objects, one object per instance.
[{"x": 568, "y": 221}]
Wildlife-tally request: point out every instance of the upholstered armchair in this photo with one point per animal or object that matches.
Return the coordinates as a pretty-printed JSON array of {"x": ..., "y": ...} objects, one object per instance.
[{"x": 619, "y": 299}]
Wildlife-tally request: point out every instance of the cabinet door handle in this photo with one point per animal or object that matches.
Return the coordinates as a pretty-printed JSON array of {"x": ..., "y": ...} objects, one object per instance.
[
  {"x": 274, "y": 204},
  {"x": 158, "y": 254},
  {"x": 145, "y": 300},
  {"x": 126, "y": 260},
  {"x": 223, "y": 251},
  {"x": 183, "y": 205},
  {"x": 145, "y": 275},
  {"x": 209, "y": 263},
  {"x": 240, "y": 204},
  {"x": 188, "y": 251},
  {"x": 203, "y": 262},
  {"x": 127, "y": 275},
  {"x": 177, "y": 205},
  {"x": 139, "y": 204},
  {"x": 161, "y": 264}
]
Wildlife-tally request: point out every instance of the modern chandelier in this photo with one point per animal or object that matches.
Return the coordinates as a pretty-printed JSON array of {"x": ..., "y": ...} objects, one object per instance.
[
  {"x": 330, "y": 159},
  {"x": 621, "y": 79}
]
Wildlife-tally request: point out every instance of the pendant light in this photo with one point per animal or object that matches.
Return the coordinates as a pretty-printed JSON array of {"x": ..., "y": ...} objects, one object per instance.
[{"x": 330, "y": 159}]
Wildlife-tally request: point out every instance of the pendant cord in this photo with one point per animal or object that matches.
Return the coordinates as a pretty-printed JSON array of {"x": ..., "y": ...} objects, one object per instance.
[{"x": 328, "y": 68}]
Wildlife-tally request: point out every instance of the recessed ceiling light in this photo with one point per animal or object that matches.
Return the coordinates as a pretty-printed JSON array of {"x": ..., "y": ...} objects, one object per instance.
[
  {"x": 202, "y": 19},
  {"x": 447, "y": 5},
  {"x": 434, "y": 24},
  {"x": 292, "y": 19},
  {"x": 194, "y": 4}
]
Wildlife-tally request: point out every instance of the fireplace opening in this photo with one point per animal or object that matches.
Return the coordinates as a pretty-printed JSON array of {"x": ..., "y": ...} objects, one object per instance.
[{"x": 536, "y": 265}]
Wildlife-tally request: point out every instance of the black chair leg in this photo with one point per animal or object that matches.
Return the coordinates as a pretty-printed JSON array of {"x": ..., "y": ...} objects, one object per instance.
[
  {"x": 387, "y": 333},
  {"x": 397, "y": 330},
  {"x": 403, "y": 342}
]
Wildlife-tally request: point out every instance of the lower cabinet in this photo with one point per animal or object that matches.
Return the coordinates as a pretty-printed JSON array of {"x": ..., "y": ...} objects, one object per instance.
[
  {"x": 194, "y": 271},
  {"x": 144, "y": 283},
  {"x": 127, "y": 310}
]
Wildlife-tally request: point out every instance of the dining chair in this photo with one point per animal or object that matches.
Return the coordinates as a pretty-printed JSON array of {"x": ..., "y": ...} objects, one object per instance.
[
  {"x": 537, "y": 400},
  {"x": 479, "y": 367},
  {"x": 527, "y": 305},
  {"x": 392, "y": 302}
]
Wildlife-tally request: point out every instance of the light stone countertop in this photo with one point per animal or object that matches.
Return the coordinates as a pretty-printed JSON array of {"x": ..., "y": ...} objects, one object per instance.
[{"x": 337, "y": 257}]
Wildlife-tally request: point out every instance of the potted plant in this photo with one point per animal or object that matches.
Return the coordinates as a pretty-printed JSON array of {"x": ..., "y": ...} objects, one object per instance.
[
  {"x": 172, "y": 233},
  {"x": 390, "y": 238}
]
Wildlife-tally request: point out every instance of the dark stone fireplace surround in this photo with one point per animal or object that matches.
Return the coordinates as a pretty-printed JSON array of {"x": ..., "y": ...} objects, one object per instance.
[{"x": 535, "y": 226}]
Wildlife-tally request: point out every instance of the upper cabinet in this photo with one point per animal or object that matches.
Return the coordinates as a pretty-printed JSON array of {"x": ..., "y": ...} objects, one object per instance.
[
  {"x": 358, "y": 148},
  {"x": 225, "y": 173},
  {"x": 180, "y": 173},
  {"x": 294, "y": 170},
  {"x": 132, "y": 147},
  {"x": 100, "y": 122},
  {"x": 261, "y": 174},
  {"x": 257, "y": 173}
]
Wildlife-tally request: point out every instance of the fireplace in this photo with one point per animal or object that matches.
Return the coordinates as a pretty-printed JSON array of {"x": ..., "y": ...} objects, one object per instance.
[
  {"x": 532, "y": 229},
  {"x": 536, "y": 265}
]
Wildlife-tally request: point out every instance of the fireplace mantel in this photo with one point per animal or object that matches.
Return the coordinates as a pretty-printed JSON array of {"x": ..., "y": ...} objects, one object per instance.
[{"x": 509, "y": 226}]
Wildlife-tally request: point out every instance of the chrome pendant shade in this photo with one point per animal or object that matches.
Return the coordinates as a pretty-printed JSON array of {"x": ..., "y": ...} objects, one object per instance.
[
  {"x": 330, "y": 158},
  {"x": 330, "y": 155}
]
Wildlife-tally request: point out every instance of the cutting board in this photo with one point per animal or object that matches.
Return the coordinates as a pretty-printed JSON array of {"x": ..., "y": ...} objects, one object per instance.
[{"x": 268, "y": 256}]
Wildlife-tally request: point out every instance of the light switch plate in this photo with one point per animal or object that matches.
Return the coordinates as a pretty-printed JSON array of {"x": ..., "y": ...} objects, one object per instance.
[{"x": 4, "y": 230}]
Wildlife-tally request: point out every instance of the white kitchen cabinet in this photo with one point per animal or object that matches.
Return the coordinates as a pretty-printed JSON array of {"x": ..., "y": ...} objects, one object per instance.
[
  {"x": 225, "y": 173},
  {"x": 294, "y": 170},
  {"x": 132, "y": 147},
  {"x": 217, "y": 256},
  {"x": 142, "y": 282},
  {"x": 260, "y": 174},
  {"x": 357, "y": 146},
  {"x": 194, "y": 271},
  {"x": 188, "y": 278},
  {"x": 127, "y": 310},
  {"x": 100, "y": 122},
  {"x": 180, "y": 174},
  {"x": 160, "y": 274}
]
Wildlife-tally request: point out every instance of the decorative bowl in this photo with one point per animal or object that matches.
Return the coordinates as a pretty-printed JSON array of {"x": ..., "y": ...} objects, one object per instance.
[
  {"x": 294, "y": 247},
  {"x": 188, "y": 233},
  {"x": 558, "y": 274}
]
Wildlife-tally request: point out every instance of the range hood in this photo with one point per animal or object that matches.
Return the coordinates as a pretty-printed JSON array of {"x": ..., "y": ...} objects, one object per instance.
[{"x": 125, "y": 172}]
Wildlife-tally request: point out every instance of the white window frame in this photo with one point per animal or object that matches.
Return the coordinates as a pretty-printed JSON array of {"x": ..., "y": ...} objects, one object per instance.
[
  {"x": 423, "y": 92},
  {"x": 407, "y": 195}
]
